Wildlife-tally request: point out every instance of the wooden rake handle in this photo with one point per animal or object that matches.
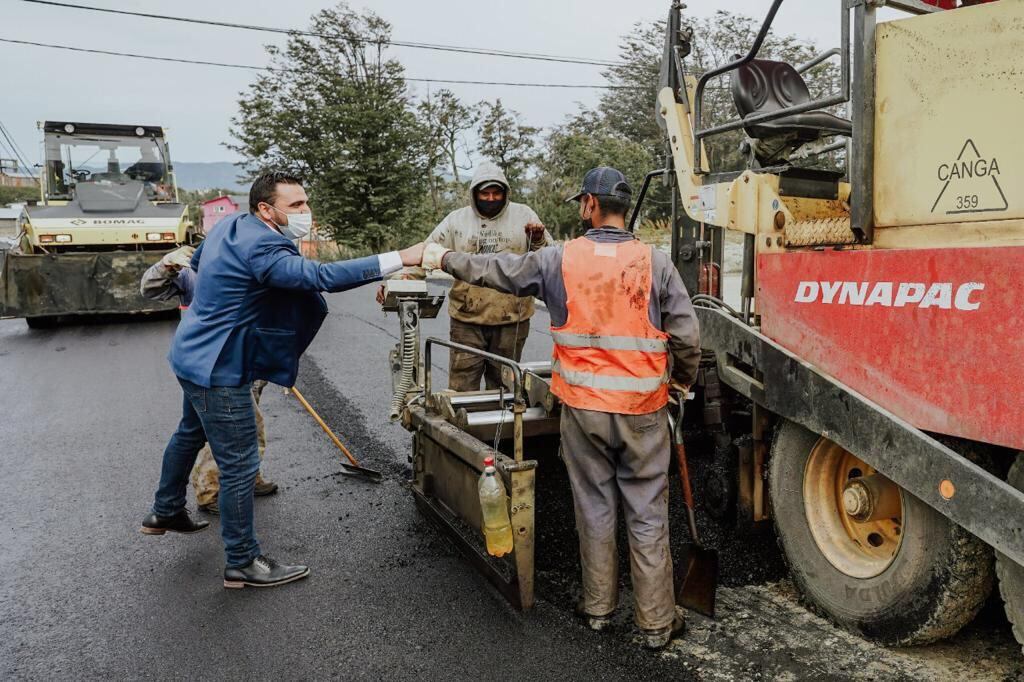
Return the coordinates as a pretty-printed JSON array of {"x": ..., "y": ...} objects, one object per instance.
[{"x": 327, "y": 429}]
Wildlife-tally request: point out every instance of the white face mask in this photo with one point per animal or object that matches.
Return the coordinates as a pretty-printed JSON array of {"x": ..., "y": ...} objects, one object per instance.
[{"x": 298, "y": 226}]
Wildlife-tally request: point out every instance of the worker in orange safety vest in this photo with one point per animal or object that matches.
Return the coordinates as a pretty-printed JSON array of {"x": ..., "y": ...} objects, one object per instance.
[{"x": 623, "y": 327}]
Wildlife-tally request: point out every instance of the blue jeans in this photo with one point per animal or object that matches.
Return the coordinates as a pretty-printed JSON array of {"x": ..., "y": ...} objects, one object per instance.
[{"x": 224, "y": 416}]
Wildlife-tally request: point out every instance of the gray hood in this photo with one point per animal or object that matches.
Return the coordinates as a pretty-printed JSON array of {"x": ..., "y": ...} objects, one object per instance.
[{"x": 487, "y": 171}]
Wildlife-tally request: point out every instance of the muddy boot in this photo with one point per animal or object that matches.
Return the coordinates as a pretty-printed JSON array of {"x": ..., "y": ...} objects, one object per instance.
[
  {"x": 595, "y": 623},
  {"x": 264, "y": 487},
  {"x": 659, "y": 639}
]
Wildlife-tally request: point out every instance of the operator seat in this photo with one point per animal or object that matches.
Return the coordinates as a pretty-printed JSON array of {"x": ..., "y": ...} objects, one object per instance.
[{"x": 761, "y": 86}]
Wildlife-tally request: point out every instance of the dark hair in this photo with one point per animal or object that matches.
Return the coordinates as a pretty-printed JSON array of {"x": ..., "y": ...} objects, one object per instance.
[
  {"x": 611, "y": 204},
  {"x": 264, "y": 188}
]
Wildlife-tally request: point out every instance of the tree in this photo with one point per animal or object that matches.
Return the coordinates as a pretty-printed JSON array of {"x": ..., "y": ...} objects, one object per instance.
[
  {"x": 584, "y": 142},
  {"x": 445, "y": 120},
  {"x": 332, "y": 109},
  {"x": 504, "y": 139},
  {"x": 629, "y": 108},
  {"x": 10, "y": 195}
]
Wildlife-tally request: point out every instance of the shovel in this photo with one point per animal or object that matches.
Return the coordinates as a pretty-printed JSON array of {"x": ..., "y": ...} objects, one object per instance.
[
  {"x": 352, "y": 469},
  {"x": 700, "y": 581}
]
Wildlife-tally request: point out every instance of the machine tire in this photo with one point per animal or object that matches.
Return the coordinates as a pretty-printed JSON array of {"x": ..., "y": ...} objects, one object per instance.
[
  {"x": 1011, "y": 574},
  {"x": 42, "y": 322},
  {"x": 936, "y": 581}
]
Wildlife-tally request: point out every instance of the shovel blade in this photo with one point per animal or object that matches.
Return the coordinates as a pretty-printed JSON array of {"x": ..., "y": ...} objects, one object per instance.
[
  {"x": 700, "y": 582},
  {"x": 361, "y": 472}
]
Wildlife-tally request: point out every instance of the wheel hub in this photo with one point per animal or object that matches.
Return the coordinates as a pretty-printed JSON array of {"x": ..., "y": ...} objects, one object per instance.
[
  {"x": 855, "y": 515},
  {"x": 856, "y": 501}
]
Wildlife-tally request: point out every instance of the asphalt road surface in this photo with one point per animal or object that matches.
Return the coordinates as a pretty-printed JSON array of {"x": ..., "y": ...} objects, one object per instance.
[{"x": 85, "y": 412}]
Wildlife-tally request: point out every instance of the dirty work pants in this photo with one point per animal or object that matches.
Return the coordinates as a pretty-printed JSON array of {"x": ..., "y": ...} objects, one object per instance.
[
  {"x": 465, "y": 370},
  {"x": 224, "y": 416},
  {"x": 206, "y": 475},
  {"x": 612, "y": 458}
]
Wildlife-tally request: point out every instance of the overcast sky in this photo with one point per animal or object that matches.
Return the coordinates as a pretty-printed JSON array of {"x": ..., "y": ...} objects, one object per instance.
[{"x": 195, "y": 103}]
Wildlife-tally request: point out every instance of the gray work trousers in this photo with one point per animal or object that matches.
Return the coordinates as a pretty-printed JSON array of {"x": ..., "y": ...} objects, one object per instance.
[{"x": 613, "y": 457}]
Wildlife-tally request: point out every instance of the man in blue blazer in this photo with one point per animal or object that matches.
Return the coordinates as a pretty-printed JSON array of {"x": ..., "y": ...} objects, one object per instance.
[{"x": 255, "y": 310}]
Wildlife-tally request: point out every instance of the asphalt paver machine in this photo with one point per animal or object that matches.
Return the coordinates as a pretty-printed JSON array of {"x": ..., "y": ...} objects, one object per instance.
[{"x": 864, "y": 396}]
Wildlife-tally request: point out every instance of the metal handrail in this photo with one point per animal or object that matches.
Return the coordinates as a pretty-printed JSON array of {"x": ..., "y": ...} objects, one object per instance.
[
  {"x": 818, "y": 59},
  {"x": 839, "y": 98},
  {"x": 643, "y": 193},
  {"x": 518, "y": 403}
]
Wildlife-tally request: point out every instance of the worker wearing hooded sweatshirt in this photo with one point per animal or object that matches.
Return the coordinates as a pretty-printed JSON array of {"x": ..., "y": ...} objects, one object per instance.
[
  {"x": 623, "y": 327},
  {"x": 483, "y": 318}
]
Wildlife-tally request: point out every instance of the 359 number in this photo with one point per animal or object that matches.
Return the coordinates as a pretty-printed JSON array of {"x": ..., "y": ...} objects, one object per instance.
[{"x": 967, "y": 201}]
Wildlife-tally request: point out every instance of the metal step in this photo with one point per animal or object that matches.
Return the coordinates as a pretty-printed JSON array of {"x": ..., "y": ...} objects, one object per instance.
[{"x": 484, "y": 425}]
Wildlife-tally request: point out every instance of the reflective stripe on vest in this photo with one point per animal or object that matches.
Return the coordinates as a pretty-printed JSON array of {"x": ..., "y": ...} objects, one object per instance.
[
  {"x": 610, "y": 342},
  {"x": 605, "y": 382}
]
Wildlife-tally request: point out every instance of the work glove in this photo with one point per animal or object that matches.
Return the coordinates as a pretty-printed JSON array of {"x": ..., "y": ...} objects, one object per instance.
[
  {"x": 180, "y": 258},
  {"x": 380, "y": 289},
  {"x": 678, "y": 390},
  {"x": 433, "y": 256},
  {"x": 535, "y": 231}
]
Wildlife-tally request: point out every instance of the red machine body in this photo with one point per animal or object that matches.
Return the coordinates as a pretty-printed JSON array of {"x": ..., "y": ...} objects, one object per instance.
[{"x": 935, "y": 336}]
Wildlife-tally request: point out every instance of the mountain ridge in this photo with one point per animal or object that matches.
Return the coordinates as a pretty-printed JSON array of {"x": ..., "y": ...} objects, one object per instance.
[{"x": 201, "y": 175}]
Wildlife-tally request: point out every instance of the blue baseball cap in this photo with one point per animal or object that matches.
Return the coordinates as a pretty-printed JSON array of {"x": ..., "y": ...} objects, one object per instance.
[{"x": 604, "y": 180}]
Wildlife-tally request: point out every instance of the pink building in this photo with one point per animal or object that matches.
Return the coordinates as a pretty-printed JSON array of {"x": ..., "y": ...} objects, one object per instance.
[{"x": 221, "y": 207}]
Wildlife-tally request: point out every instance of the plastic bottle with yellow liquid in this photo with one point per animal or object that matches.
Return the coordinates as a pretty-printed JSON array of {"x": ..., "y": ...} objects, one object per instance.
[{"x": 494, "y": 504}]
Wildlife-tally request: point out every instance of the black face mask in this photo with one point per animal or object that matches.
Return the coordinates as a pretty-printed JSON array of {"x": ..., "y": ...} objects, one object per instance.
[{"x": 489, "y": 209}]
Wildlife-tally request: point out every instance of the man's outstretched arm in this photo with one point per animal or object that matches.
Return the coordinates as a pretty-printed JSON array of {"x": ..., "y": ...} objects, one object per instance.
[
  {"x": 506, "y": 272},
  {"x": 279, "y": 267}
]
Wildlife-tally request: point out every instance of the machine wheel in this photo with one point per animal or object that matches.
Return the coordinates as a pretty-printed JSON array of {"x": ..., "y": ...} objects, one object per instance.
[
  {"x": 42, "y": 322},
  {"x": 867, "y": 554},
  {"x": 1011, "y": 574}
]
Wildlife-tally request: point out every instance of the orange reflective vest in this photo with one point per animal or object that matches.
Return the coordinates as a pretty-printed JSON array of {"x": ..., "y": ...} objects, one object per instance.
[{"x": 608, "y": 356}]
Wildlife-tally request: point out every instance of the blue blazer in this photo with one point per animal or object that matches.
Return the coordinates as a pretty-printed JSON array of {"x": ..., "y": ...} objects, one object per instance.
[{"x": 256, "y": 305}]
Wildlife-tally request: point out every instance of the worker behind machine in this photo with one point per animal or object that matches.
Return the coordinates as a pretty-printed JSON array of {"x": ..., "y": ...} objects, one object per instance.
[
  {"x": 481, "y": 318},
  {"x": 256, "y": 308},
  {"x": 150, "y": 170},
  {"x": 622, "y": 324}
]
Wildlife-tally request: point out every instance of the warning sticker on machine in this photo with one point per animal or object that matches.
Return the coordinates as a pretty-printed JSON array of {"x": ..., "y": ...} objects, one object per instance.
[{"x": 970, "y": 184}]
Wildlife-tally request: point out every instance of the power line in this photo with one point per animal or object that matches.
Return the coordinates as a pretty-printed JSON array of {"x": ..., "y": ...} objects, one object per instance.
[
  {"x": 396, "y": 43},
  {"x": 14, "y": 143},
  {"x": 15, "y": 148},
  {"x": 181, "y": 60}
]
